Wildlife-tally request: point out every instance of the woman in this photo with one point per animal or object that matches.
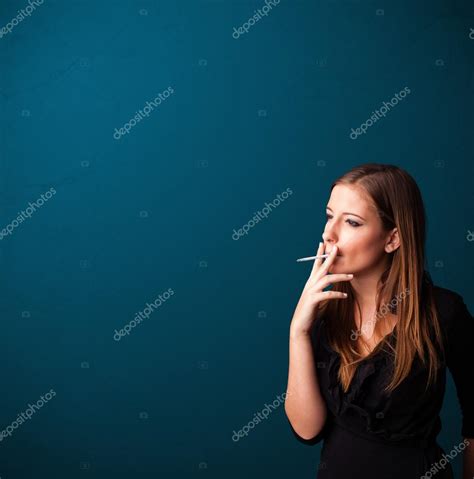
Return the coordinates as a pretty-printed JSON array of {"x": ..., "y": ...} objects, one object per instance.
[{"x": 368, "y": 357}]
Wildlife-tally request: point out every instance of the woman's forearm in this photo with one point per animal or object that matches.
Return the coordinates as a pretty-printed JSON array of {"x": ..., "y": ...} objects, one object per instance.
[{"x": 304, "y": 404}]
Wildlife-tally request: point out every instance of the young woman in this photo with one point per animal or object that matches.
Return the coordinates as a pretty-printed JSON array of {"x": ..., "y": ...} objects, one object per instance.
[{"x": 368, "y": 357}]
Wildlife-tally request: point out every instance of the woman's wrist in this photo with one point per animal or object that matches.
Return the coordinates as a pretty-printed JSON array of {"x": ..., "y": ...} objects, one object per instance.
[{"x": 298, "y": 334}]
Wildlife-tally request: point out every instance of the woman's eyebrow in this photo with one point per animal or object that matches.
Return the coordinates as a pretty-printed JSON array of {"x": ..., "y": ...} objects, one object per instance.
[{"x": 347, "y": 213}]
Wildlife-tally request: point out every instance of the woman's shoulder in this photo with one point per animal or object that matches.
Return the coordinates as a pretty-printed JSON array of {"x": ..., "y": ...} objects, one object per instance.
[
  {"x": 453, "y": 313},
  {"x": 446, "y": 300}
]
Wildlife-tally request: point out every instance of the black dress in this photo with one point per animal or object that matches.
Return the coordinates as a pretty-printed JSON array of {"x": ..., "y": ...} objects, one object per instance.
[{"x": 369, "y": 434}]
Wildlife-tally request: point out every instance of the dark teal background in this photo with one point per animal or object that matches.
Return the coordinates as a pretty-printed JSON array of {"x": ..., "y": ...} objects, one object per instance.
[{"x": 249, "y": 118}]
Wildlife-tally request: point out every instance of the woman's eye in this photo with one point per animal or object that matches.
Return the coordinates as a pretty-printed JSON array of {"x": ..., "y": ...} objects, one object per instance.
[{"x": 353, "y": 223}]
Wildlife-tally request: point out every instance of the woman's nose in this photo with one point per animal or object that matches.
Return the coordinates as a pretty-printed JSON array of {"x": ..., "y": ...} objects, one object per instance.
[{"x": 329, "y": 236}]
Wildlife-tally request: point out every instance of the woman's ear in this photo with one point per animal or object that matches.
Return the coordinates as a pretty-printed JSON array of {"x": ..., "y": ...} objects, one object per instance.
[{"x": 393, "y": 241}]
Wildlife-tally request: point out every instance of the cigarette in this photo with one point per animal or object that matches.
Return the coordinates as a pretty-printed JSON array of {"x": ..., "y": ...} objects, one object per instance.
[{"x": 309, "y": 258}]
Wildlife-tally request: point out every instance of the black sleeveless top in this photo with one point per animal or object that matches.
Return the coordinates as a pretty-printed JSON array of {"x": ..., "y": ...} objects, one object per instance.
[{"x": 369, "y": 433}]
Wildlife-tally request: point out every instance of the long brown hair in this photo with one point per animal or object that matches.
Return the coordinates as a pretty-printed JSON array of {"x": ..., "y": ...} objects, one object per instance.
[{"x": 397, "y": 199}]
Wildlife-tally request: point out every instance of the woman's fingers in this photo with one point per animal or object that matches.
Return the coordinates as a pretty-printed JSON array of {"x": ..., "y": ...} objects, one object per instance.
[
  {"x": 330, "y": 295},
  {"x": 317, "y": 262},
  {"x": 333, "y": 278},
  {"x": 323, "y": 269}
]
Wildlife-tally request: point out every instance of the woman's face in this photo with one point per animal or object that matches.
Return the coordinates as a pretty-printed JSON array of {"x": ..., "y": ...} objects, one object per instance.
[{"x": 354, "y": 226}]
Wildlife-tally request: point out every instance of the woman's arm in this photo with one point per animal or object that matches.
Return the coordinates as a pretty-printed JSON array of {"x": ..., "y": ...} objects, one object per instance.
[
  {"x": 468, "y": 460},
  {"x": 304, "y": 404},
  {"x": 460, "y": 334}
]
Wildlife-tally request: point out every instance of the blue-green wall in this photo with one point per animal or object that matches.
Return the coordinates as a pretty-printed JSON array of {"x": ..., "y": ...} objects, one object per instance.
[{"x": 155, "y": 210}]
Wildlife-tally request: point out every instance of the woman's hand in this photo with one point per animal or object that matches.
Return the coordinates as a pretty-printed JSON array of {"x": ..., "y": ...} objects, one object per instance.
[{"x": 313, "y": 292}]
